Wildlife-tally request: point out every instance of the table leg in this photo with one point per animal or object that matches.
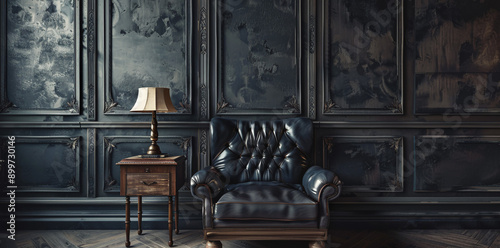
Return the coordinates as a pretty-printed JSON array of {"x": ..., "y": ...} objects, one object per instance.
[
  {"x": 127, "y": 221},
  {"x": 170, "y": 241},
  {"x": 139, "y": 214},
  {"x": 176, "y": 214}
]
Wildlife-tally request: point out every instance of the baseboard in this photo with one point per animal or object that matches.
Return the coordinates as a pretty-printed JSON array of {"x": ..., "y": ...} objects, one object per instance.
[
  {"x": 109, "y": 213},
  {"x": 417, "y": 223},
  {"x": 195, "y": 222}
]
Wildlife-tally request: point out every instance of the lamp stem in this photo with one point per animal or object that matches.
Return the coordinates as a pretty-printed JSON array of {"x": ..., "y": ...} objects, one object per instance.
[{"x": 154, "y": 148}]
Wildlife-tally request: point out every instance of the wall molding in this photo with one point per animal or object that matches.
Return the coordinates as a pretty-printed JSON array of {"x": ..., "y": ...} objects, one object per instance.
[
  {"x": 310, "y": 74},
  {"x": 147, "y": 125},
  {"x": 105, "y": 125},
  {"x": 91, "y": 162},
  {"x": 203, "y": 73},
  {"x": 71, "y": 143},
  {"x": 404, "y": 125},
  {"x": 206, "y": 124}
]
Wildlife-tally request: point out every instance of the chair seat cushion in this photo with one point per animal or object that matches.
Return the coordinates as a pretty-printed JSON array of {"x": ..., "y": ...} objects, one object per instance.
[{"x": 268, "y": 201}]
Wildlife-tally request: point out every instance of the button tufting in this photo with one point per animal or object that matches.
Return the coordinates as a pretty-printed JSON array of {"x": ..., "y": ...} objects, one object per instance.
[{"x": 263, "y": 150}]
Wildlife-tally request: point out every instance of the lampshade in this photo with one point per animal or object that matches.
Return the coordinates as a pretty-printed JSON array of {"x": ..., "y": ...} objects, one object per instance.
[{"x": 152, "y": 99}]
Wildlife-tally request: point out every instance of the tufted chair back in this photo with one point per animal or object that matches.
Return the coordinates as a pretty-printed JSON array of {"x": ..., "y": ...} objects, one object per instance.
[{"x": 277, "y": 150}]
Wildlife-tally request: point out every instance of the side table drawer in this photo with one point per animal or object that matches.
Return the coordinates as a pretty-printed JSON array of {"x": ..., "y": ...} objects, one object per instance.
[{"x": 148, "y": 183}]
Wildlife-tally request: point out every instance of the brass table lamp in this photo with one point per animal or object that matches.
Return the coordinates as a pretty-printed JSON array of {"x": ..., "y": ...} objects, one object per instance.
[{"x": 154, "y": 99}]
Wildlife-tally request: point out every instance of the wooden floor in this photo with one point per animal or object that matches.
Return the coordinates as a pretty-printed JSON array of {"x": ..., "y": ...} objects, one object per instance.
[{"x": 194, "y": 239}]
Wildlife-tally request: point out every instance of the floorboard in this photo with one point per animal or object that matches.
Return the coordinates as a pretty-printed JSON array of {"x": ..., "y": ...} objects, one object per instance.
[{"x": 488, "y": 238}]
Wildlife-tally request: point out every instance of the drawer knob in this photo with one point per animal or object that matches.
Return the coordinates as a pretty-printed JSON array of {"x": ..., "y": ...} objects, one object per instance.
[
  {"x": 147, "y": 170},
  {"x": 148, "y": 184}
]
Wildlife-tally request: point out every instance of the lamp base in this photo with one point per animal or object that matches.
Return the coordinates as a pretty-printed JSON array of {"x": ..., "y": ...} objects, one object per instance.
[{"x": 163, "y": 155}]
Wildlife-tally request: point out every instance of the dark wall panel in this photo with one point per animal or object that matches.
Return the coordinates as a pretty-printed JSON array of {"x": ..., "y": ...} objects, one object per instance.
[
  {"x": 42, "y": 59},
  {"x": 44, "y": 163},
  {"x": 410, "y": 147},
  {"x": 457, "y": 52},
  {"x": 47, "y": 164},
  {"x": 148, "y": 46},
  {"x": 457, "y": 92},
  {"x": 366, "y": 164},
  {"x": 363, "y": 59},
  {"x": 457, "y": 163},
  {"x": 259, "y": 57}
]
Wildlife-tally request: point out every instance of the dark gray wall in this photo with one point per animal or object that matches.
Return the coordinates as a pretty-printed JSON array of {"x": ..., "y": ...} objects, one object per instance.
[{"x": 403, "y": 94}]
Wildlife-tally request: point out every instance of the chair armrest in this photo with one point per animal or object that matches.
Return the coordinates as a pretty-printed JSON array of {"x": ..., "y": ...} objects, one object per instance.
[
  {"x": 207, "y": 183},
  {"x": 320, "y": 184}
]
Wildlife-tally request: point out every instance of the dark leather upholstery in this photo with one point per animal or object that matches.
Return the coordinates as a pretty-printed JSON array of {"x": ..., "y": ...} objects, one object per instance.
[
  {"x": 261, "y": 176},
  {"x": 262, "y": 151},
  {"x": 265, "y": 201}
]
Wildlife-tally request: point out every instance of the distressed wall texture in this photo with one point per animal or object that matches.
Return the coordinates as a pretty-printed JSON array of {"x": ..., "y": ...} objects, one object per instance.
[
  {"x": 41, "y": 53},
  {"x": 156, "y": 30},
  {"x": 404, "y": 96}
]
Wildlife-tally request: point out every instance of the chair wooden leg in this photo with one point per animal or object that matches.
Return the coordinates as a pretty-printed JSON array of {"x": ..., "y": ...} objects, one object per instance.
[
  {"x": 317, "y": 244},
  {"x": 213, "y": 244}
]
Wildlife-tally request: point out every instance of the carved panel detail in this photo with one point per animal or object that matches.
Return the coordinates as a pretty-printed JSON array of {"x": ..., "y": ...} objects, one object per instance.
[
  {"x": 204, "y": 101},
  {"x": 91, "y": 162},
  {"x": 312, "y": 101},
  {"x": 91, "y": 26},
  {"x": 203, "y": 31},
  {"x": 91, "y": 59},
  {"x": 204, "y": 142},
  {"x": 312, "y": 34}
]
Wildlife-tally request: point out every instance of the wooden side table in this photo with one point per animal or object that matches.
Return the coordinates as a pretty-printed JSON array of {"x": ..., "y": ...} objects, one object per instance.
[{"x": 151, "y": 177}]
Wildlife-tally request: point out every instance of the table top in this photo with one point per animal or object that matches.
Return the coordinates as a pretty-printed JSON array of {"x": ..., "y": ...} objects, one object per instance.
[{"x": 138, "y": 160}]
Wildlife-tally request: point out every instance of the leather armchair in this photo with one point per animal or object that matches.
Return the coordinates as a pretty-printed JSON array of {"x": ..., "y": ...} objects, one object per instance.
[{"x": 261, "y": 184}]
